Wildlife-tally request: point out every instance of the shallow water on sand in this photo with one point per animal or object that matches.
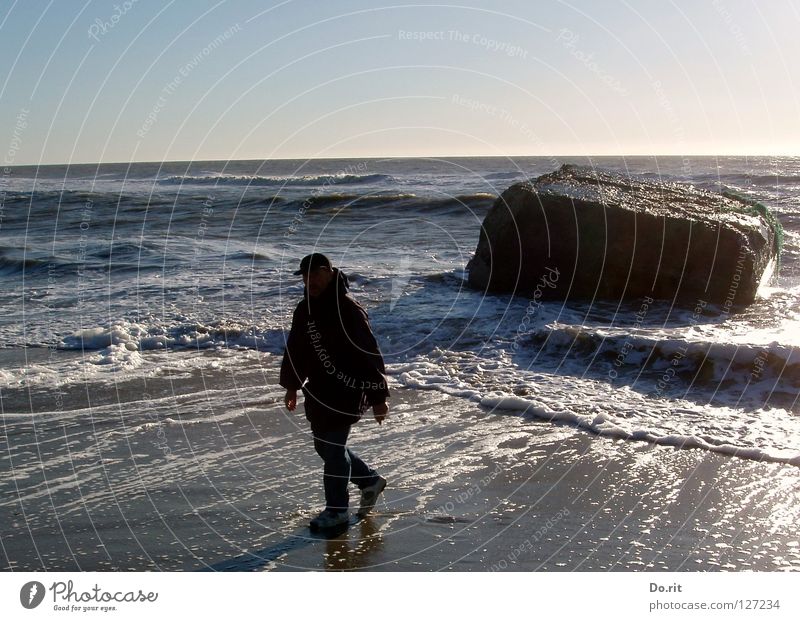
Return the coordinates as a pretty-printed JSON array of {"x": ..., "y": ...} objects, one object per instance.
[{"x": 178, "y": 483}]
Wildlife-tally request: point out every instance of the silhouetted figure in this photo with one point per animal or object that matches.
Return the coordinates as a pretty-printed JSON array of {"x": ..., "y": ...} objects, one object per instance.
[{"x": 332, "y": 355}]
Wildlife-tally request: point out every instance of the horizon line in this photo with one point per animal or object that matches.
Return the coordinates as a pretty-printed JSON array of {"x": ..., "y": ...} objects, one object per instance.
[{"x": 403, "y": 157}]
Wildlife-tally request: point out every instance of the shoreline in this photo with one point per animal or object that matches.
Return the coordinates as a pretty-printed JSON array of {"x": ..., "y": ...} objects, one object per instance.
[{"x": 469, "y": 490}]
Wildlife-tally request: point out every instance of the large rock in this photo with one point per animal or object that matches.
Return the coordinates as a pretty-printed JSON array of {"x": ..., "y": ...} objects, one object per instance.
[{"x": 582, "y": 234}]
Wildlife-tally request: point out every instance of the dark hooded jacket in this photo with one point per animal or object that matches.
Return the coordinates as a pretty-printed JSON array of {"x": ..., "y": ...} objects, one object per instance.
[{"x": 332, "y": 346}]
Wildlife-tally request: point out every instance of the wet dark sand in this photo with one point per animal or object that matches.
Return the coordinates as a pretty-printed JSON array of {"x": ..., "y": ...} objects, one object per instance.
[{"x": 469, "y": 490}]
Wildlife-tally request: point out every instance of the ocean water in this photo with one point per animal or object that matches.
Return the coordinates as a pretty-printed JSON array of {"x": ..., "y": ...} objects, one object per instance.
[{"x": 160, "y": 273}]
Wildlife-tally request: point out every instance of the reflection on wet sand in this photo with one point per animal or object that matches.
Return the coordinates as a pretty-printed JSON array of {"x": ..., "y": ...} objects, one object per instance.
[{"x": 354, "y": 549}]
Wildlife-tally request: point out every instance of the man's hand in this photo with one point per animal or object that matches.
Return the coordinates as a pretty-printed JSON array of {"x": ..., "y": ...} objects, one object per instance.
[
  {"x": 290, "y": 400},
  {"x": 380, "y": 410}
]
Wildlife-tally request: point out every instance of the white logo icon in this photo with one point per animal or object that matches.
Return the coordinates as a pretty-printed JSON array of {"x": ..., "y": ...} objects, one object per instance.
[{"x": 31, "y": 594}]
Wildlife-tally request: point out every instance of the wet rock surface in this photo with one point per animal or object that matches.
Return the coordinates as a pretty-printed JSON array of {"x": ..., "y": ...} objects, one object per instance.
[{"x": 578, "y": 233}]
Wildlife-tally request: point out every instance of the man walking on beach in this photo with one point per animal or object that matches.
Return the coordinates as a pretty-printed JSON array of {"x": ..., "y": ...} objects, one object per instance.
[{"x": 332, "y": 346}]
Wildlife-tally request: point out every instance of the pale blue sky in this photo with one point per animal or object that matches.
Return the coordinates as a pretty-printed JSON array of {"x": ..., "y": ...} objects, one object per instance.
[{"x": 353, "y": 78}]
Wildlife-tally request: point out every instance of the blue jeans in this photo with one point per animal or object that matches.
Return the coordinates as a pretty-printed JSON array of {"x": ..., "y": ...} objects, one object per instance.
[{"x": 342, "y": 466}]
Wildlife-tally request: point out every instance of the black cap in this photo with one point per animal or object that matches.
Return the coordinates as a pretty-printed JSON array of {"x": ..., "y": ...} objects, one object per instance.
[{"x": 312, "y": 262}]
